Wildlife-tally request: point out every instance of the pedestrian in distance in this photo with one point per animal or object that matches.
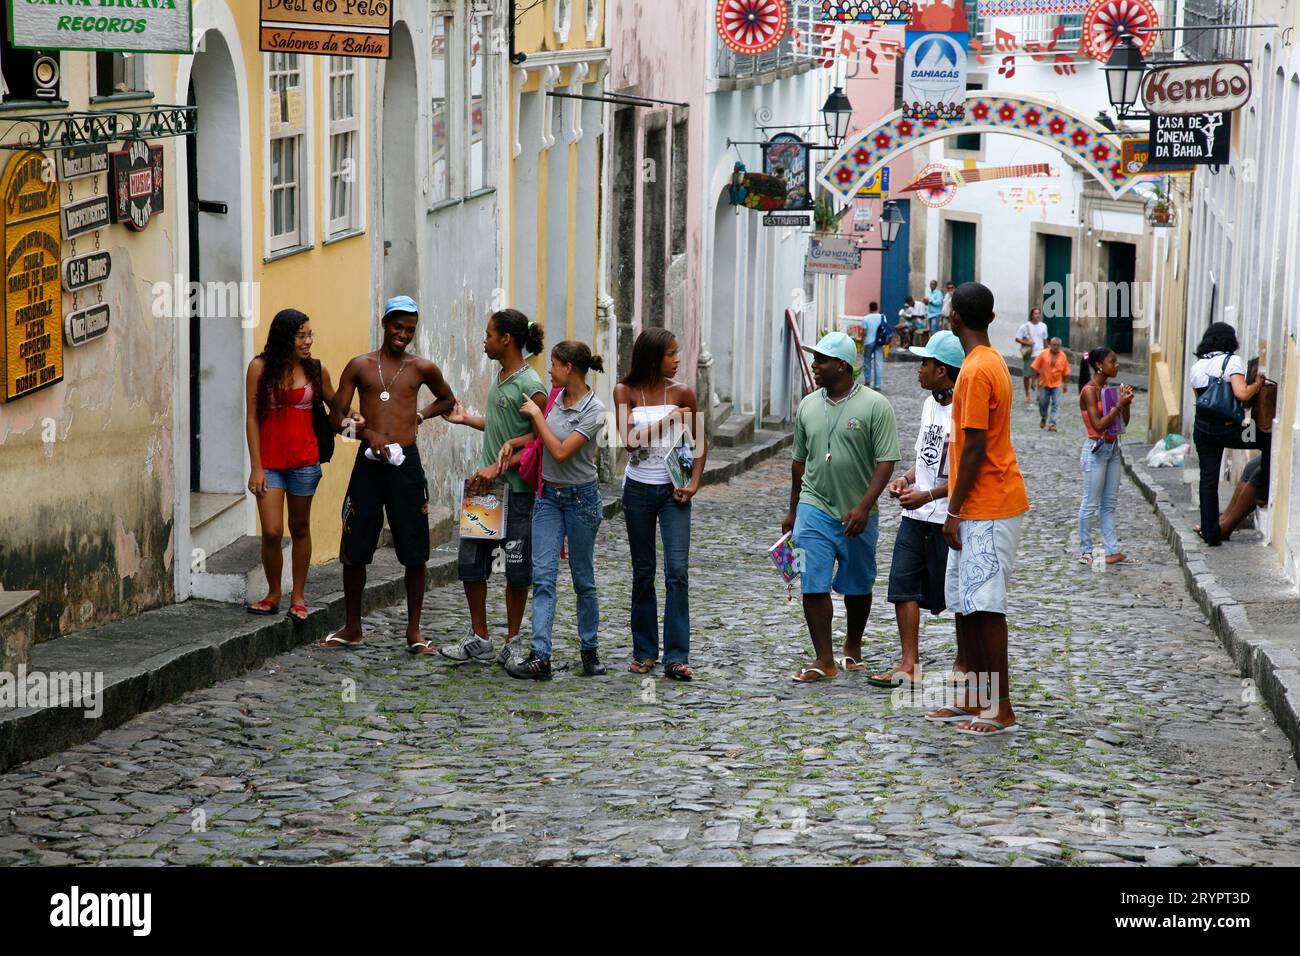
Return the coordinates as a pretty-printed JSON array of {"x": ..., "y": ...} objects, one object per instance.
[
  {"x": 568, "y": 508},
  {"x": 986, "y": 507},
  {"x": 659, "y": 422},
  {"x": 920, "y": 323},
  {"x": 944, "y": 320},
  {"x": 845, "y": 450},
  {"x": 933, "y": 306},
  {"x": 1100, "y": 458},
  {"x": 283, "y": 387},
  {"x": 388, "y": 477},
  {"x": 904, "y": 326},
  {"x": 919, "y": 567},
  {"x": 1032, "y": 339},
  {"x": 873, "y": 347},
  {"x": 1217, "y": 429},
  {"x": 509, "y": 334},
  {"x": 1052, "y": 366}
]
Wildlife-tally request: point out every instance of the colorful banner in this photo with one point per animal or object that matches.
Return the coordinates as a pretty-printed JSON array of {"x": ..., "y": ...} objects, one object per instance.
[
  {"x": 934, "y": 76},
  {"x": 864, "y": 11},
  {"x": 1026, "y": 8}
]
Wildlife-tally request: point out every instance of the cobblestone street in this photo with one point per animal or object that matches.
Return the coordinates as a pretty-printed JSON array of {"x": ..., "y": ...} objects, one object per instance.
[{"x": 1139, "y": 742}]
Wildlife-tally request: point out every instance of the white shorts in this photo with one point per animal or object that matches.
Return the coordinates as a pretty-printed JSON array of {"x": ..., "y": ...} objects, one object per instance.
[{"x": 980, "y": 573}]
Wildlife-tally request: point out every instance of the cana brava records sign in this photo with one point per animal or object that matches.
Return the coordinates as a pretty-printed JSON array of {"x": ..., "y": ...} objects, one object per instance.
[
  {"x": 127, "y": 26},
  {"x": 136, "y": 183}
]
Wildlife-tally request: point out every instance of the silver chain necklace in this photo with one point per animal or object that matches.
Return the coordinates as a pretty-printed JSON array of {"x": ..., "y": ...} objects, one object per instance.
[{"x": 384, "y": 395}]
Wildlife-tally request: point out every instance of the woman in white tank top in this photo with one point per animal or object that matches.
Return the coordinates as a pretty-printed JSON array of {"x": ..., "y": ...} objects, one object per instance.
[{"x": 657, "y": 419}]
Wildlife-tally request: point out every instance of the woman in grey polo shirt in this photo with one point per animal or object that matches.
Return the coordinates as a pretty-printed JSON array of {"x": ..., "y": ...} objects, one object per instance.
[{"x": 568, "y": 507}]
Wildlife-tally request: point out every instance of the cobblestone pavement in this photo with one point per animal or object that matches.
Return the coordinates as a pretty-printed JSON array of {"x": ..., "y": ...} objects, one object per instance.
[{"x": 1139, "y": 742}]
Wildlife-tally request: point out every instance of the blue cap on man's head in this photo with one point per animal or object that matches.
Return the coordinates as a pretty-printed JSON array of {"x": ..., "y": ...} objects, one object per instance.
[
  {"x": 944, "y": 347},
  {"x": 836, "y": 345},
  {"x": 400, "y": 303}
]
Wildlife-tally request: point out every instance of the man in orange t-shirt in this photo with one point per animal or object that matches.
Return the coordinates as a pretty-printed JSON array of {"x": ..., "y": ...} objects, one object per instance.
[
  {"x": 1053, "y": 368},
  {"x": 986, "y": 505}
]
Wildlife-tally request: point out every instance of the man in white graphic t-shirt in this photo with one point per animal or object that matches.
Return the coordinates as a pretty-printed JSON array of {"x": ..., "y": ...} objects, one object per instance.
[{"x": 920, "y": 562}]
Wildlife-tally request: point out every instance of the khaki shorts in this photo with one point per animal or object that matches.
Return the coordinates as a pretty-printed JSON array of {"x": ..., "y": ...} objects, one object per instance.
[{"x": 979, "y": 575}]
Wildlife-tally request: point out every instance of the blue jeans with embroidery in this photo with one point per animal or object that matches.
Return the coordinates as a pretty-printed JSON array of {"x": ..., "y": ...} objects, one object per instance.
[{"x": 572, "y": 513}]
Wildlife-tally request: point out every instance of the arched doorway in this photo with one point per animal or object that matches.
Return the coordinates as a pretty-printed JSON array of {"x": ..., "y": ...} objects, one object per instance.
[
  {"x": 724, "y": 299},
  {"x": 398, "y": 183},
  {"x": 217, "y": 300}
]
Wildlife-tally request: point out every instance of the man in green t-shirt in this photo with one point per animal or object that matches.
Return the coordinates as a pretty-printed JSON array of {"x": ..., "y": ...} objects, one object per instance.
[
  {"x": 509, "y": 333},
  {"x": 845, "y": 450}
]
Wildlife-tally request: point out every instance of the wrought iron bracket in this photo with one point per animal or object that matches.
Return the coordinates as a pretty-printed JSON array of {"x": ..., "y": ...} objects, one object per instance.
[{"x": 55, "y": 131}]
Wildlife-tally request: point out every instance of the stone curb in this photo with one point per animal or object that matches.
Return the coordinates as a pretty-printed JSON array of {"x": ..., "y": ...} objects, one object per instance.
[
  {"x": 171, "y": 654},
  {"x": 1274, "y": 669}
]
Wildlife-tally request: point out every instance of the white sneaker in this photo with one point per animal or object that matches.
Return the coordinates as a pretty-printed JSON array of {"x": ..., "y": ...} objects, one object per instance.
[
  {"x": 473, "y": 648},
  {"x": 509, "y": 653}
]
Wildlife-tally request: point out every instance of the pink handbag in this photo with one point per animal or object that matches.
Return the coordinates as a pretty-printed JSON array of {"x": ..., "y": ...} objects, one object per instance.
[{"x": 530, "y": 462}]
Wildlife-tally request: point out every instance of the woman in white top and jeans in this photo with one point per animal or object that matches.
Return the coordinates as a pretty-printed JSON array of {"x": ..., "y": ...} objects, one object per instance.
[
  {"x": 1216, "y": 359},
  {"x": 654, "y": 414}
]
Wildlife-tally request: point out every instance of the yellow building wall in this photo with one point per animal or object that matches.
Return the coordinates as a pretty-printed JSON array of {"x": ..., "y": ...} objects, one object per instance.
[
  {"x": 1280, "y": 489},
  {"x": 1165, "y": 376},
  {"x": 330, "y": 283}
]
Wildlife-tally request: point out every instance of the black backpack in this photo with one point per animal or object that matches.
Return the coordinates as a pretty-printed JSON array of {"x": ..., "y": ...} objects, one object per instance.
[{"x": 320, "y": 419}]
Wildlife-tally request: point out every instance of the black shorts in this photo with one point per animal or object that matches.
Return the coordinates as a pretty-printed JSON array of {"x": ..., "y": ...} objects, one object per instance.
[
  {"x": 377, "y": 486},
  {"x": 919, "y": 566},
  {"x": 475, "y": 560}
]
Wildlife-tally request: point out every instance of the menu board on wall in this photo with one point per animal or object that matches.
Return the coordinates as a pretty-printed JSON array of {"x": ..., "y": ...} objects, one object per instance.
[
  {"x": 33, "y": 282},
  {"x": 353, "y": 28}
]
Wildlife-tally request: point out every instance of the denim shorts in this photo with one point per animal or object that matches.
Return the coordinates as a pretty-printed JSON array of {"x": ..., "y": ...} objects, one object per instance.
[
  {"x": 823, "y": 544},
  {"x": 476, "y": 557},
  {"x": 300, "y": 482}
]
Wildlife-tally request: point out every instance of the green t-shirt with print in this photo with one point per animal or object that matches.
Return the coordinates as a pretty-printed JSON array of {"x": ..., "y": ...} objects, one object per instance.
[
  {"x": 858, "y": 433},
  {"x": 504, "y": 421}
]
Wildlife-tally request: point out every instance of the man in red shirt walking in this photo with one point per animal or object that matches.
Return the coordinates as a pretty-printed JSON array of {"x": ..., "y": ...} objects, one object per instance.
[{"x": 1053, "y": 368}]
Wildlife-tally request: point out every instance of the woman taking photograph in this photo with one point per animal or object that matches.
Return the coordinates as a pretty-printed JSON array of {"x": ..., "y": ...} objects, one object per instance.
[
  {"x": 568, "y": 506},
  {"x": 283, "y": 386},
  {"x": 658, "y": 417},
  {"x": 1100, "y": 457},
  {"x": 1213, "y": 432}
]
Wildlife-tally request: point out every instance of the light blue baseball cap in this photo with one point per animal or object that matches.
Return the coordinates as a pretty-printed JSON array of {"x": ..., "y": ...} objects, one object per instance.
[
  {"x": 944, "y": 347},
  {"x": 836, "y": 345},
  {"x": 400, "y": 303}
]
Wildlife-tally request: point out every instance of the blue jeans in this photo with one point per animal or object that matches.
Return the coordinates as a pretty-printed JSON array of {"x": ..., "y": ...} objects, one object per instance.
[
  {"x": 873, "y": 367},
  {"x": 574, "y": 513},
  {"x": 644, "y": 506},
  {"x": 1048, "y": 401},
  {"x": 1100, "y": 492}
]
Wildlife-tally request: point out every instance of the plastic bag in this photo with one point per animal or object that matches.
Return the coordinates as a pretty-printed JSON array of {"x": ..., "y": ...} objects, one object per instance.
[{"x": 1165, "y": 455}]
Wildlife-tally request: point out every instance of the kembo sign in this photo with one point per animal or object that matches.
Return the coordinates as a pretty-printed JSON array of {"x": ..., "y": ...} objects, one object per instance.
[
  {"x": 129, "y": 26},
  {"x": 1196, "y": 88}
]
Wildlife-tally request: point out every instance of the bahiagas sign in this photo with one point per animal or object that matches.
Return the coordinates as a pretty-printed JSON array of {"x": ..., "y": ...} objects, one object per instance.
[
  {"x": 33, "y": 297},
  {"x": 1197, "y": 88}
]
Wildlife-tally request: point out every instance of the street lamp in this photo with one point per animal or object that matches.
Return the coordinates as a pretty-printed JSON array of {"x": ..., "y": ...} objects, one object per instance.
[
  {"x": 837, "y": 112},
  {"x": 891, "y": 224},
  {"x": 1124, "y": 69}
]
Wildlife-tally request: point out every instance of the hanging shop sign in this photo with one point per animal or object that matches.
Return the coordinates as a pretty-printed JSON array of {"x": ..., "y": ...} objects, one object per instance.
[
  {"x": 33, "y": 348},
  {"x": 778, "y": 219},
  {"x": 82, "y": 272},
  {"x": 751, "y": 27},
  {"x": 143, "y": 26},
  {"x": 76, "y": 162},
  {"x": 85, "y": 216},
  {"x": 1196, "y": 88},
  {"x": 877, "y": 187},
  {"x": 328, "y": 27},
  {"x": 1198, "y": 140},
  {"x": 1135, "y": 159},
  {"x": 86, "y": 325},
  {"x": 785, "y": 157},
  {"x": 934, "y": 75},
  {"x": 832, "y": 255},
  {"x": 136, "y": 184}
]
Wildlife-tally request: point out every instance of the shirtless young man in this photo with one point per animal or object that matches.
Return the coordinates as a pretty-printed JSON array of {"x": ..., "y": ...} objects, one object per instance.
[{"x": 389, "y": 382}]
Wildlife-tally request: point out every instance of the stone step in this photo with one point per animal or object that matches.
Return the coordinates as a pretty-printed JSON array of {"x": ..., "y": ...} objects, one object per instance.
[
  {"x": 721, "y": 412},
  {"x": 216, "y": 520},
  {"x": 17, "y": 625},
  {"x": 736, "y": 430}
]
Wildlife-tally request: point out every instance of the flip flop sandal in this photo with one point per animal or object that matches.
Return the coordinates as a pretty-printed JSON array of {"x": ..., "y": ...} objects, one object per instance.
[
  {"x": 1085, "y": 559},
  {"x": 821, "y": 675},
  {"x": 678, "y": 672},
  {"x": 421, "y": 648},
  {"x": 263, "y": 609},
  {"x": 333, "y": 643},
  {"x": 643, "y": 667},
  {"x": 955, "y": 716},
  {"x": 298, "y": 612},
  {"x": 856, "y": 664},
  {"x": 985, "y": 722},
  {"x": 896, "y": 679}
]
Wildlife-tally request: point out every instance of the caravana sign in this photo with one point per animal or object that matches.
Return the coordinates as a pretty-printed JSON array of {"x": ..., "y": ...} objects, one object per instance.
[{"x": 1197, "y": 88}]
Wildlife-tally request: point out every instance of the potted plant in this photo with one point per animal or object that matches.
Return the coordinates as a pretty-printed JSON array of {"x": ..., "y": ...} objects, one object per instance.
[
  {"x": 1160, "y": 208},
  {"x": 825, "y": 219}
]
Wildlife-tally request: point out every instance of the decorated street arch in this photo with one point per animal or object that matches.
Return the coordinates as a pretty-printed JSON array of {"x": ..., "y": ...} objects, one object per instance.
[{"x": 1077, "y": 137}]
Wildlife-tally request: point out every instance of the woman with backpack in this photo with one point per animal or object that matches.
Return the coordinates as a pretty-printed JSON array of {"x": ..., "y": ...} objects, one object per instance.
[
  {"x": 1218, "y": 378},
  {"x": 285, "y": 388}
]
